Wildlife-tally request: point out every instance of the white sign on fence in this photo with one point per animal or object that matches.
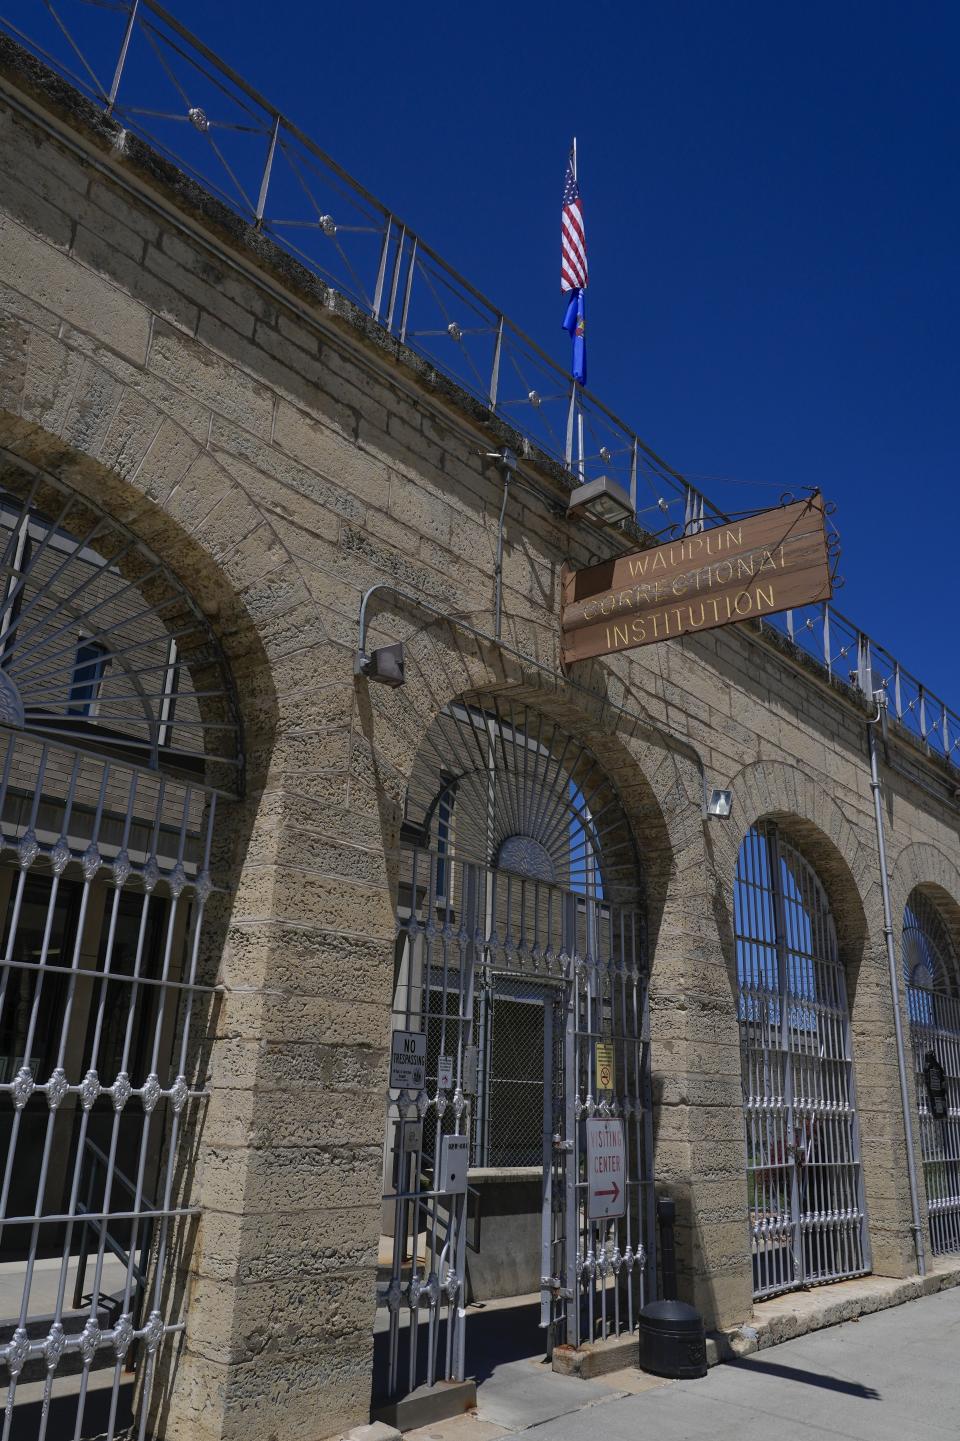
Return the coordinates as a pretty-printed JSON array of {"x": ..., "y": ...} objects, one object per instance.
[
  {"x": 412, "y": 1137},
  {"x": 445, "y": 1073},
  {"x": 606, "y": 1168},
  {"x": 454, "y": 1160},
  {"x": 408, "y": 1061}
]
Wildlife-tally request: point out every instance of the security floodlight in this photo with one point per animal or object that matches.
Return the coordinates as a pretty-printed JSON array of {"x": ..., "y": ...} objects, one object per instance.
[
  {"x": 385, "y": 666},
  {"x": 720, "y": 804},
  {"x": 602, "y": 499}
]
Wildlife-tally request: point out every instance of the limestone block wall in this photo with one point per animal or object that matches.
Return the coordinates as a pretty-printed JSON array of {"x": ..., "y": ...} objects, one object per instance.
[{"x": 282, "y": 456}]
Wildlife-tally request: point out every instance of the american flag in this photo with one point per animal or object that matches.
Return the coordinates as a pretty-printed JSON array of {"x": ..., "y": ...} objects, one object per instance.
[{"x": 573, "y": 243}]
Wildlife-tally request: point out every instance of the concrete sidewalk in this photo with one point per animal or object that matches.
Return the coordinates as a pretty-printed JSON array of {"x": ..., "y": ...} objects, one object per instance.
[{"x": 892, "y": 1376}]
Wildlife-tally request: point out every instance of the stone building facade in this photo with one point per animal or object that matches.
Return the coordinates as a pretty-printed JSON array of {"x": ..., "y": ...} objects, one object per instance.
[{"x": 279, "y": 454}]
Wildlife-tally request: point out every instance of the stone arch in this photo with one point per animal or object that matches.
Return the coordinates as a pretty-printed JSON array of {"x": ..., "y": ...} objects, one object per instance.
[
  {"x": 659, "y": 785},
  {"x": 459, "y": 694},
  {"x": 924, "y": 872},
  {"x": 140, "y": 452},
  {"x": 843, "y": 852},
  {"x": 29, "y": 454},
  {"x": 925, "y": 867},
  {"x": 696, "y": 1082},
  {"x": 843, "y": 855},
  {"x": 163, "y": 488},
  {"x": 145, "y": 464}
]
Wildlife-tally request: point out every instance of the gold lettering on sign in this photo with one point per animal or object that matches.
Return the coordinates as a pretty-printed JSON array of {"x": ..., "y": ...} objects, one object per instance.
[
  {"x": 683, "y": 552},
  {"x": 642, "y": 596},
  {"x": 676, "y": 620}
]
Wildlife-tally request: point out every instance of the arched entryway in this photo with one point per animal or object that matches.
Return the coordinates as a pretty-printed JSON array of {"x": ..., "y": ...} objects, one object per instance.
[
  {"x": 520, "y": 1003},
  {"x": 119, "y": 740},
  {"x": 804, "y": 1183},
  {"x": 932, "y": 981}
]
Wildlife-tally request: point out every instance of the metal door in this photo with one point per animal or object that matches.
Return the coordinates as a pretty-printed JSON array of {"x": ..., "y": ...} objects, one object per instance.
[
  {"x": 599, "y": 1273},
  {"x": 933, "y": 1003},
  {"x": 513, "y": 965},
  {"x": 107, "y": 813},
  {"x": 805, "y": 1190}
]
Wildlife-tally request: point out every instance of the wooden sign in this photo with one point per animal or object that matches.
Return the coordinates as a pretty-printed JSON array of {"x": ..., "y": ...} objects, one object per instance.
[{"x": 770, "y": 562}]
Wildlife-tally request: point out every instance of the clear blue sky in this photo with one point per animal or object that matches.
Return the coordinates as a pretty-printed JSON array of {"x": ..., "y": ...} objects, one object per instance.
[{"x": 773, "y": 219}]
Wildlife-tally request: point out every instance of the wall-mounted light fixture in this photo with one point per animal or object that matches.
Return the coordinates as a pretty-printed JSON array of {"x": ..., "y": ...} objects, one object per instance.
[
  {"x": 602, "y": 499},
  {"x": 720, "y": 803},
  {"x": 385, "y": 665}
]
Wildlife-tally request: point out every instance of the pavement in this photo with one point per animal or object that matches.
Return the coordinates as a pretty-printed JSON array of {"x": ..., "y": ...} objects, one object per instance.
[
  {"x": 46, "y": 1281},
  {"x": 890, "y": 1376}
]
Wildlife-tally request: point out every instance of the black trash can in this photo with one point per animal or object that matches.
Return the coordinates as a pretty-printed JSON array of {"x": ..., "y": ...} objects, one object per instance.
[{"x": 673, "y": 1341}]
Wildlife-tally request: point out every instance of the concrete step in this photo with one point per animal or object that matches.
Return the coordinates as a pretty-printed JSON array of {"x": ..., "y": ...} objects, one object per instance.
[{"x": 62, "y": 1419}]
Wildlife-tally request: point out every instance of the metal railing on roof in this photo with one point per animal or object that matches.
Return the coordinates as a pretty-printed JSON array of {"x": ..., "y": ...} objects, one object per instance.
[
  {"x": 155, "y": 79},
  {"x": 135, "y": 61}
]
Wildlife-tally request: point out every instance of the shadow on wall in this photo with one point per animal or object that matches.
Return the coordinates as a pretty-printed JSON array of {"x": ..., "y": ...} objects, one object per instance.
[{"x": 494, "y": 1338}]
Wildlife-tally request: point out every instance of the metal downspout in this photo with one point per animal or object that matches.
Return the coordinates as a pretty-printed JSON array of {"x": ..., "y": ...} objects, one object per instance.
[
  {"x": 876, "y": 789},
  {"x": 509, "y": 463}
]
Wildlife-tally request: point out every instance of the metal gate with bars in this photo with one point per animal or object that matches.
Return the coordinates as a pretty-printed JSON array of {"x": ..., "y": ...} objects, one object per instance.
[
  {"x": 512, "y": 1013},
  {"x": 805, "y": 1189},
  {"x": 933, "y": 1004},
  {"x": 114, "y": 704},
  {"x": 516, "y": 960}
]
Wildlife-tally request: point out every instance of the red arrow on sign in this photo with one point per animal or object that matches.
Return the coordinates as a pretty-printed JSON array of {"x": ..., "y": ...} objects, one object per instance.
[{"x": 614, "y": 1193}]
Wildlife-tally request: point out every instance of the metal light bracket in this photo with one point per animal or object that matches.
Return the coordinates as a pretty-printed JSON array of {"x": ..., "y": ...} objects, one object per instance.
[{"x": 384, "y": 665}]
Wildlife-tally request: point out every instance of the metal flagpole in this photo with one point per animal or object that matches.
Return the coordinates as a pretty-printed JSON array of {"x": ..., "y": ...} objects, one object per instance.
[{"x": 579, "y": 388}]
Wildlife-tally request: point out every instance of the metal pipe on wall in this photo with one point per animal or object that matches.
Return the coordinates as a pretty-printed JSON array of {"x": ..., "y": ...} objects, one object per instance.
[
  {"x": 877, "y": 792},
  {"x": 509, "y": 467}
]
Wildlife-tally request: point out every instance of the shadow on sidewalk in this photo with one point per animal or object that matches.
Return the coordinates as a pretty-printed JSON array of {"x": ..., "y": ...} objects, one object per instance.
[{"x": 806, "y": 1378}]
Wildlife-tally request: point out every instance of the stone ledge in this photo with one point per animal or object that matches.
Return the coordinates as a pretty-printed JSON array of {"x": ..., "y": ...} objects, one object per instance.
[
  {"x": 799, "y": 1312},
  {"x": 596, "y": 1358},
  {"x": 780, "y": 1319}
]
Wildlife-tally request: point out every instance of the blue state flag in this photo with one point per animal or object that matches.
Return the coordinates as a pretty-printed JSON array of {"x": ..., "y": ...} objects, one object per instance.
[{"x": 573, "y": 323}]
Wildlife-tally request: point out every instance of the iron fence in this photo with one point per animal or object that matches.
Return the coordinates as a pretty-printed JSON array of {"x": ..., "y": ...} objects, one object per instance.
[{"x": 156, "y": 81}]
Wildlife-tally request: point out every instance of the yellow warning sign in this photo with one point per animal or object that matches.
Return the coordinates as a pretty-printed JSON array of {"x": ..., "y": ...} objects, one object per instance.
[{"x": 604, "y": 1067}]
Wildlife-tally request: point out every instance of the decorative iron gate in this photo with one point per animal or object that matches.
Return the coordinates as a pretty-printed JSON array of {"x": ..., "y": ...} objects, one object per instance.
[
  {"x": 805, "y": 1190},
  {"x": 114, "y": 705},
  {"x": 515, "y": 961},
  {"x": 933, "y": 1002}
]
